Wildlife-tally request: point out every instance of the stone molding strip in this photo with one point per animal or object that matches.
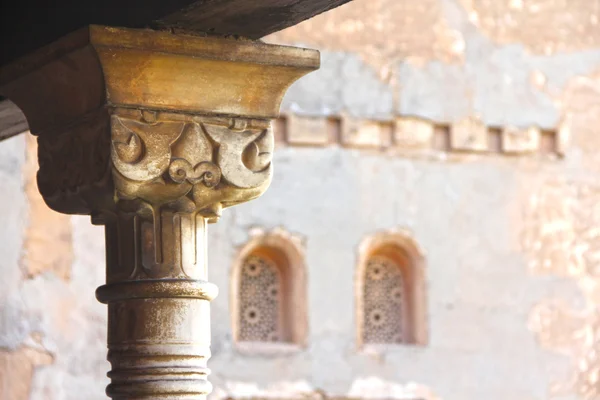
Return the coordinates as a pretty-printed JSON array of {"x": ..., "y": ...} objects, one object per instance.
[{"x": 418, "y": 135}]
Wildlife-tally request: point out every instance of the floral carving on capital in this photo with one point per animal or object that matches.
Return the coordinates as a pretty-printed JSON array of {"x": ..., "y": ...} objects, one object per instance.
[{"x": 189, "y": 163}]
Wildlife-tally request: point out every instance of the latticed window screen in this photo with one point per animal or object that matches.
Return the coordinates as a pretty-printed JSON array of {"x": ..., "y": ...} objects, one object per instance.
[
  {"x": 260, "y": 300},
  {"x": 383, "y": 302}
]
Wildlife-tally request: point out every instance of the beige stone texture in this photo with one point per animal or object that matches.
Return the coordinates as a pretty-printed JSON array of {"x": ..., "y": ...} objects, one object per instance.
[
  {"x": 382, "y": 32},
  {"x": 520, "y": 140},
  {"x": 52, "y": 329},
  {"x": 469, "y": 134},
  {"x": 581, "y": 99},
  {"x": 413, "y": 134},
  {"x": 307, "y": 131},
  {"x": 563, "y": 137},
  {"x": 561, "y": 236},
  {"x": 48, "y": 240},
  {"x": 442, "y": 138},
  {"x": 17, "y": 368},
  {"x": 366, "y": 133},
  {"x": 543, "y": 26}
]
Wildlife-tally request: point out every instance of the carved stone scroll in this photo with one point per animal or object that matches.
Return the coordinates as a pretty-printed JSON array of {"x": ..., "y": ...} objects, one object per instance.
[{"x": 153, "y": 135}]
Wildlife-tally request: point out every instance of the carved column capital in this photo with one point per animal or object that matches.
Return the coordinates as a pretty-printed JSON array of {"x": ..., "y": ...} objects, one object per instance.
[
  {"x": 165, "y": 119},
  {"x": 153, "y": 134},
  {"x": 189, "y": 163}
]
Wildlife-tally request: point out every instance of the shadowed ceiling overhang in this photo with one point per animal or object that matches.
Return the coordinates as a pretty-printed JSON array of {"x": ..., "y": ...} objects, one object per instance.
[{"x": 27, "y": 25}]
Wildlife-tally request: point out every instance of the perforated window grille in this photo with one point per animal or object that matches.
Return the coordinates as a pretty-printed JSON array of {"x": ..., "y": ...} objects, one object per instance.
[
  {"x": 260, "y": 300},
  {"x": 384, "y": 302}
]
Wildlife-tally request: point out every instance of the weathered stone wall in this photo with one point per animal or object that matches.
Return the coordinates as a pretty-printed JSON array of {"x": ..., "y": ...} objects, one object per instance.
[
  {"x": 511, "y": 237},
  {"x": 52, "y": 329}
]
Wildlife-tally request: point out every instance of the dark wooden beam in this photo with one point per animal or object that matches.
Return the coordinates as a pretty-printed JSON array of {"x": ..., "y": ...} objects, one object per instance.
[
  {"x": 26, "y": 25},
  {"x": 249, "y": 18}
]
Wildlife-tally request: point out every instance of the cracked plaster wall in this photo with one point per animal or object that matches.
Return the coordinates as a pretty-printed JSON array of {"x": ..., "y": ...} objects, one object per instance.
[{"x": 512, "y": 245}]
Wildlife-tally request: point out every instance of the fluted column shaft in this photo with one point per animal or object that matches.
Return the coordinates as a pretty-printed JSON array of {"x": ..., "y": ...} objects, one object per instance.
[{"x": 158, "y": 298}]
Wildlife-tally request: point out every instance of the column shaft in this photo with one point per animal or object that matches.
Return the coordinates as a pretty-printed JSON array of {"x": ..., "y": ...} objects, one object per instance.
[{"x": 158, "y": 306}]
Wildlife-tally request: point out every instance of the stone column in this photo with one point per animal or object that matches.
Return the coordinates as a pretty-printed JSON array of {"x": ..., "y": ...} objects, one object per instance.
[{"x": 153, "y": 134}]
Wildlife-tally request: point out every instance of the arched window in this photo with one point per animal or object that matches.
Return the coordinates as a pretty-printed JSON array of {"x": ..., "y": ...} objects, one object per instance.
[
  {"x": 269, "y": 290},
  {"x": 390, "y": 292}
]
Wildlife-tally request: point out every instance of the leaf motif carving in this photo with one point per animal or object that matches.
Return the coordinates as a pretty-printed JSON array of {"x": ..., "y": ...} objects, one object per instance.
[
  {"x": 130, "y": 151},
  {"x": 237, "y": 169},
  {"x": 150, "y": 142}
]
